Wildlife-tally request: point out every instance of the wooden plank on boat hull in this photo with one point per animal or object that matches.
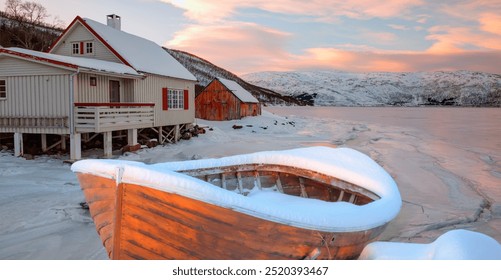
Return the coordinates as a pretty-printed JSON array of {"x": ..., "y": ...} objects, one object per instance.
[
  {"x": 160, "y": 225},
  {"x": 100, "y": 195},
  {"x": 196, "y": 231},
  {"x": 193, "y": 229}
]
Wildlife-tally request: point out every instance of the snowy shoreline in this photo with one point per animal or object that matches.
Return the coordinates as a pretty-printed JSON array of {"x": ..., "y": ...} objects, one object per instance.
[{"x": 444, "y": 186}]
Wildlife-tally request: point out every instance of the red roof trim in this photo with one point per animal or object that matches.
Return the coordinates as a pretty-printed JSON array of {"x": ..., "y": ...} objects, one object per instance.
[
  {"x": 101, "y": 39},
  {"x": 62, "y": 35},
  {"x": 37, "y": 58}
]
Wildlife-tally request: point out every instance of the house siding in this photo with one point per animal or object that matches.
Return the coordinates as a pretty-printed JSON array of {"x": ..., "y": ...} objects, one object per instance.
[
  {"x": 36, "y": 104},
  {"x": 150, "y": 90},
  {"x": 101, "y": 91},
  {"x": 10, "y": 66},
  {"x": 79, "y": 34}
]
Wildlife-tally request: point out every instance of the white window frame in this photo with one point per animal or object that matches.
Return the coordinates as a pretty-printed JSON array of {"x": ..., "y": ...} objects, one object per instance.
[
  {"x": 83, "y": 48},
  {"x": 175, "y": 99},
  {"x": 3, "y": 89},
  {"x": 89, "y": 45},
  {"x": 75, "y": 48}
]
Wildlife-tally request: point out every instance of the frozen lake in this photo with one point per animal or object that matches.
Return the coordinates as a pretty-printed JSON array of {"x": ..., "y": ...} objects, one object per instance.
[
  {"x": 447, "y": 161},
  {"x": 478, "y": 128}
]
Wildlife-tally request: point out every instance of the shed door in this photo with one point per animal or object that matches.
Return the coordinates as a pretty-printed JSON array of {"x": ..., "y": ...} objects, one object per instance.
[{"x": 114, "y": 91}]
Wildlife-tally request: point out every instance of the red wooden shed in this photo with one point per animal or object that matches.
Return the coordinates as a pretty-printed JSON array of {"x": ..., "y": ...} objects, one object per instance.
[{"x": 224, "y": 99}]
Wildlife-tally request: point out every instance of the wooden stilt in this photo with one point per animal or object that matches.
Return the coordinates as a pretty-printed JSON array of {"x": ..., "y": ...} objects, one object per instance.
[
  {"x": 177, "y": 133},
  {"x": 160, "y": 135},
  {"x": 18, "y": 144},
  {"x": 132, "y": 137},
  {"x": 43, "y": 137},
  {"x": 107, "y": 145},
  {"x": 63, "y": 142},
  {"x": 75, "y": 146}
]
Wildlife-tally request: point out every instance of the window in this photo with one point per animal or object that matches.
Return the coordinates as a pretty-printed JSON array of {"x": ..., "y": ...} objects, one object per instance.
[
  {"x": 3, "y": 89},
  {"x": 93, "y": 81},
  {"x": 89, "y": 48},
  {"x": 75, "y": 48},
  {"x": 82, "y": 48},
  {"x": 176, "y": 99}
]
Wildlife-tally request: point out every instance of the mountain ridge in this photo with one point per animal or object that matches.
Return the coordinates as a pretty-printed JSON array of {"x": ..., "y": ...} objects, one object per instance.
[
  {"x": 205, "y": 71},
  {"x": 338, "y": 88}
]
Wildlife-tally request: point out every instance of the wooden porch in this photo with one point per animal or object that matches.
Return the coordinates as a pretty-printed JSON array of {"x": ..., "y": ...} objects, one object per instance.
[{"x": 105, "y": 117}]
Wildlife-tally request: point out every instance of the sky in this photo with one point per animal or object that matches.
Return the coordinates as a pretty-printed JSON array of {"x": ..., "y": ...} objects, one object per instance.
[{"x": 287, "y": 35}]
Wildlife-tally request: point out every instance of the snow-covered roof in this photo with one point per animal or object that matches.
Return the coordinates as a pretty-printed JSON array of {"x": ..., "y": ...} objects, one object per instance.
[
  {"x": 72, "y": 62},
  {"x": 343, "y": 163},
  {"x": 142, "y": 54},
  {"x": 239, "y": 91},
  {"x": 457, "y": 244}
]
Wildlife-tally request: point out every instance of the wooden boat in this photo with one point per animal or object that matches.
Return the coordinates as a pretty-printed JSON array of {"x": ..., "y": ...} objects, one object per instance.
[{"x": 309, "y": 203}]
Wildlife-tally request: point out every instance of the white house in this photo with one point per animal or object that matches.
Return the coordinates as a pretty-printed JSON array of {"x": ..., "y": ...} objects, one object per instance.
[{"x": 95, "y": 79}]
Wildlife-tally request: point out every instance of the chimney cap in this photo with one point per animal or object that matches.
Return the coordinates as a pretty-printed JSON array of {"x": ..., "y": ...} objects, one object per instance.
[{"x": 113, "y": 16}]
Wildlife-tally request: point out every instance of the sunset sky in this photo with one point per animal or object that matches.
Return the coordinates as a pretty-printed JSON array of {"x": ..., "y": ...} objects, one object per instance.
[{"x": 285, "y": 35}]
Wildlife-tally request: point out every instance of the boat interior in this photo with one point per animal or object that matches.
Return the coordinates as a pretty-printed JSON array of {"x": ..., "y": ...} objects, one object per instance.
[{"x": 285, "y": 179}]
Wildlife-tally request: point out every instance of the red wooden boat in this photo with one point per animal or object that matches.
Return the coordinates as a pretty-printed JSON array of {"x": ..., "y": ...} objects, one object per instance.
[{"x": 310, "y": 203}]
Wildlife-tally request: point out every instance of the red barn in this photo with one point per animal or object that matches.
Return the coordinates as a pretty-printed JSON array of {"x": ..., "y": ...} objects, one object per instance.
[{"x": 224, "y": 99}]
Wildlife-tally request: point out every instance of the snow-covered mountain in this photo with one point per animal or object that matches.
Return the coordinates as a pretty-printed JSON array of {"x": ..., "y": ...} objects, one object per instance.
[
  {"x": 205, "y": 72},
  {"x": 329, "y": 88}
]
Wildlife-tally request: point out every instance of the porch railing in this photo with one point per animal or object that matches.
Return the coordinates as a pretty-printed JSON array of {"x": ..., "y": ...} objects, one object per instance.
[{"x": 102, "y": 117}]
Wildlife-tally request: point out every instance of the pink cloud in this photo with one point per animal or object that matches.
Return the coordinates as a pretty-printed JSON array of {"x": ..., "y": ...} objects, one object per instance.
[
  {"x": 456, "y": 39},
  {"x": 248, "y": 47},
  {"x": 491, "y": 22},
  {"x": 325, "y": 10},
  {"x": 244, "y": 48},
  {"x": 237, "y": 47}
]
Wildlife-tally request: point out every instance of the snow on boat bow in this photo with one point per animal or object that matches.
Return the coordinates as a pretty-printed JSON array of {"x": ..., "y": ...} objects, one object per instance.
[{"x": 302, "y": 203}]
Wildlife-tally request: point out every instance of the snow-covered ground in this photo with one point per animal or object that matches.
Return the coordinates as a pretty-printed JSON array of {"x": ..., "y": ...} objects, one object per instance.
[{"x": 444, "y": 185}]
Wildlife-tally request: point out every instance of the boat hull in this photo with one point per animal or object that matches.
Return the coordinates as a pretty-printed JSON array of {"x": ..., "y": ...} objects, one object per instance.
[{"x": 138, "y": 222}]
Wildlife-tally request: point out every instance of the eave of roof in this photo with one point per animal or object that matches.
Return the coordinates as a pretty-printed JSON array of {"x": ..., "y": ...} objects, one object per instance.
[{"x": 74, "y": 63}]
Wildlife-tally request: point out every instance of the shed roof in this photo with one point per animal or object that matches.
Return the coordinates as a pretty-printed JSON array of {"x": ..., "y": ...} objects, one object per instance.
[
  {"x": 140, "y": 53},
  {"x": 238, "y": 90},
  {"x": 71, "y": 62}
]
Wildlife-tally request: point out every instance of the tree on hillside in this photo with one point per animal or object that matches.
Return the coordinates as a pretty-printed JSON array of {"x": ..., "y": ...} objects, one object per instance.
[{"x": 27, "y": 25}]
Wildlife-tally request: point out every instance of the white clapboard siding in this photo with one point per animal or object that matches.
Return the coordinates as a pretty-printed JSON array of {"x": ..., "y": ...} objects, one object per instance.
[
  {"x": 100, "y": 93},
  {"x": 150, "y": 90},
  {"x": 36, "y": 104},
  {"x": 10, "y": 66},
  {"x": 80, "y": 34}
]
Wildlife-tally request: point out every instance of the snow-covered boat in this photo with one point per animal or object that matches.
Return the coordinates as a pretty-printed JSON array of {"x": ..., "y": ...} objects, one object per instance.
[{"x": 306, "y": 203}]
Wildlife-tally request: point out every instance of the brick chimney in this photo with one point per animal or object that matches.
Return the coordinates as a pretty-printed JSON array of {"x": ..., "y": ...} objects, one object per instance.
[{"x": 114, "y": 21}]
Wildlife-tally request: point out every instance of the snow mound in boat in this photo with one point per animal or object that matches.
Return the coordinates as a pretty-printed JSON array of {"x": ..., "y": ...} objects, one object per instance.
[
  {"x": 342, "y": 163},
  {"x": 453, "y": 245}
]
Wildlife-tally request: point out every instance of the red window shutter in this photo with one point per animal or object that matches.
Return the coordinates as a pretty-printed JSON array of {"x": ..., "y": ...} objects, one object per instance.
[
  {"x": 81, "y": 48},
  {"x": 165, "y": 99},
  {"x": 186, "y": 100}
]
